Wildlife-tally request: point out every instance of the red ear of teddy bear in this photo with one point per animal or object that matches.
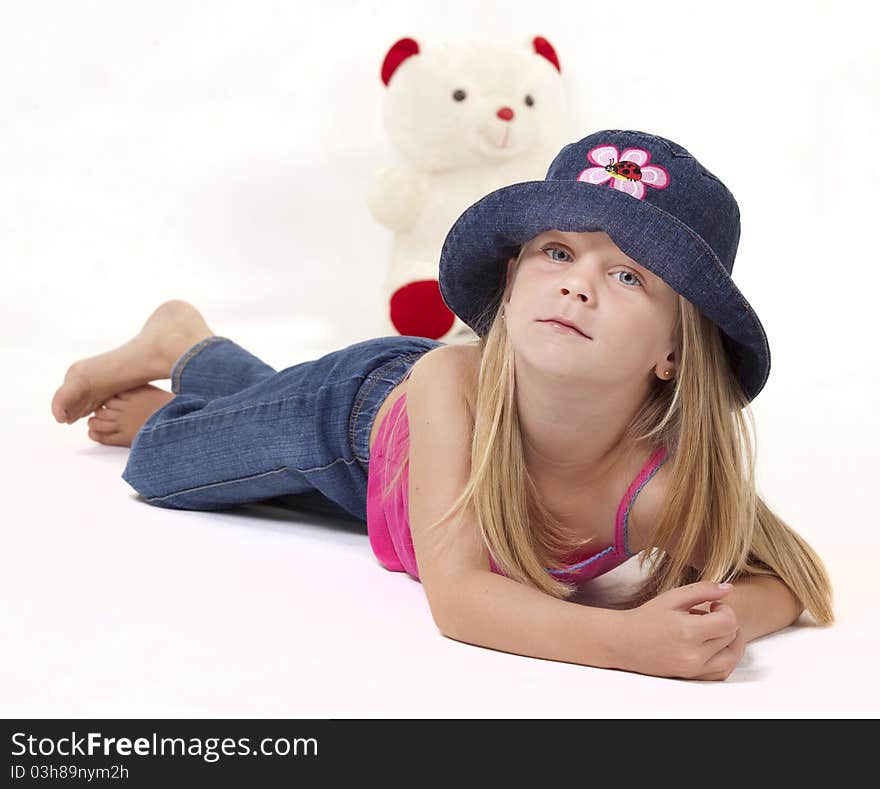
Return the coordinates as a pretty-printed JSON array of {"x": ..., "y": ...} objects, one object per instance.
[{"x": 418, "y": 310}]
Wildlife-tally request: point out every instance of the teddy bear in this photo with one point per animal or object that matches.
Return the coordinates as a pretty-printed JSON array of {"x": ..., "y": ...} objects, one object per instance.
[{"x": 465, "y": 118}]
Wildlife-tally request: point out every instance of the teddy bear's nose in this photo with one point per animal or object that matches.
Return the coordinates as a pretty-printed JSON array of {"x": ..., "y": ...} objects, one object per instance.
[{"x": 505, "y": 113}]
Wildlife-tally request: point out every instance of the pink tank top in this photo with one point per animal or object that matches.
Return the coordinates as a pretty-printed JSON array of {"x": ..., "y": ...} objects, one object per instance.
[{"x": 388, "y": 523}]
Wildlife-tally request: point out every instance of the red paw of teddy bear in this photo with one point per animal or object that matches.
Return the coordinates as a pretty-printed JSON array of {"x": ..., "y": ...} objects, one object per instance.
[{"x": 418, "y": 310}]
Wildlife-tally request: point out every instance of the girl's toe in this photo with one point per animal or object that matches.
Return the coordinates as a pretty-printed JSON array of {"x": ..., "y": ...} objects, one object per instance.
[
  {"x": 113, "y": 437},
  {"x": 101, "y": 423}
]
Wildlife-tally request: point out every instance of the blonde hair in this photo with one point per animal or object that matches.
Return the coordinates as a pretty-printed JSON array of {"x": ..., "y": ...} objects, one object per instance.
[{"x": 712, "y": 500}]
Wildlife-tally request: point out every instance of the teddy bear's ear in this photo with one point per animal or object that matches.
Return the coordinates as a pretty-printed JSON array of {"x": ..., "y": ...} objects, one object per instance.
[
  {"x": 544, "y": 48},
  {"x": 400, "y": 51}
]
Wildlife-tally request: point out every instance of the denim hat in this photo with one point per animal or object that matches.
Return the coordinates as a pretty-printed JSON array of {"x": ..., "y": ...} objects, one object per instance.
[{"x": 660, "y": 206}]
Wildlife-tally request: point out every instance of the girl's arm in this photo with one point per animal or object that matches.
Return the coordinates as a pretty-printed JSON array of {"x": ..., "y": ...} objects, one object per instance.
[
  {"x": 763, "y": 604},
  {"x": 494, "y": 611}
]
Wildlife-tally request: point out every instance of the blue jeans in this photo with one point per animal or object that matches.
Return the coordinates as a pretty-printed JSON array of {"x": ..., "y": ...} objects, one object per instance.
[{"x": 237, "y": 431}]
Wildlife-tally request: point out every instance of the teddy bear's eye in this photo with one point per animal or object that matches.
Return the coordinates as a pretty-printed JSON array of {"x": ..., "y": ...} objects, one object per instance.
[
  {"x": 529, "y": 100},
  {"x": 459, "y": 95}
]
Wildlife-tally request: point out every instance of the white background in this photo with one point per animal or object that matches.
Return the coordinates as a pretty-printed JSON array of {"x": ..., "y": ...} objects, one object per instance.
[{"x": 220, "y": 153}]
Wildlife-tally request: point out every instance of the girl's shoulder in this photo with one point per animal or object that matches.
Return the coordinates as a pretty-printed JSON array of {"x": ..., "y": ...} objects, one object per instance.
[
  {"x": 461, "y": 361},
  {"x": 444, "y": 368}
]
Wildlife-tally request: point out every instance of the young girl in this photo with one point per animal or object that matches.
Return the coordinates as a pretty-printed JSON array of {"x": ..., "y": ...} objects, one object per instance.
[{"x": 599, "y": 416}]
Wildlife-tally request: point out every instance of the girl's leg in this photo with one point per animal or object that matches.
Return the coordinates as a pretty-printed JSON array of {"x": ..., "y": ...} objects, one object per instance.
[
  {"x": 298, "y": 431},
  {"x": 216, "y": 367},
  {"x": 173, "y": 327},
  {"x": 120, "y": 418}
]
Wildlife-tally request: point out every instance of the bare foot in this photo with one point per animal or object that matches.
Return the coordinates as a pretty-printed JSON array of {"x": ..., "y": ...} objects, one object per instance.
[
  {"x": 172, "y": 328},
  {"x": 120, "y": 418}
]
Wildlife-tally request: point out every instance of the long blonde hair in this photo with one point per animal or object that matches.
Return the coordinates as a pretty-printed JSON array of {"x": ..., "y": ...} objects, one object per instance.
[{"x": 712, "y": 502}]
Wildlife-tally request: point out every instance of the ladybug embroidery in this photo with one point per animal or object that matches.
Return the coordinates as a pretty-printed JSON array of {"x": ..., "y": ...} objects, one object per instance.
[
  {"x": 632, "y": 174},
  {"x": 625, "y": 170}
]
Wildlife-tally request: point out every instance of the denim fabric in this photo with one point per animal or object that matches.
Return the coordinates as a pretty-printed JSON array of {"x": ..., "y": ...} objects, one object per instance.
[
  {"x": 237, "y": 431},
  {"x": 661, "y": 207}
]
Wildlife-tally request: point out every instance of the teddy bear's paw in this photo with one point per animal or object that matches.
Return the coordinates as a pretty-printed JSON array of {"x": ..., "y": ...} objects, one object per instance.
[
  {"x": 395, "y": 197},
  {"x": 418, "y": 310}
]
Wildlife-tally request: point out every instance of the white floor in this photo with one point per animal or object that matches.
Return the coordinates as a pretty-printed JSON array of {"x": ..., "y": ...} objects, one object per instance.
[
  {"x": 112, "y": 607},
  {"x": 147, "y": 159}
]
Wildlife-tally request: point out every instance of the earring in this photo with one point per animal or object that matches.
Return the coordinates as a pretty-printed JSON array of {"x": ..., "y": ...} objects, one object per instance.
[{"x": 502, "y": 313}]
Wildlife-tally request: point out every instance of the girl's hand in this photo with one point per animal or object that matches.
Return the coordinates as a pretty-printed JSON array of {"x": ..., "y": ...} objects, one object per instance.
[
  {"x": 669, "y": 637},
  {"x": 738, "y": 645}
]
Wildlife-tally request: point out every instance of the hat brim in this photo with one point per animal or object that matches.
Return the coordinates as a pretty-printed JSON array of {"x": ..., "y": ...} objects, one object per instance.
[{"x": 473, "y": 261}]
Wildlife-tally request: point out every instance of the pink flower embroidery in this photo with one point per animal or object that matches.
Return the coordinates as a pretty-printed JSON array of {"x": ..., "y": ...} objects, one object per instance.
[{"x": 628, "y": 173}]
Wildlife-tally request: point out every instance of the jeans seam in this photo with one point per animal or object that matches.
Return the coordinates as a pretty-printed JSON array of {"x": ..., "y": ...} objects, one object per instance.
[
  {"x": 249, "y": 477},
  {"x": 198, "y": 416},
  {"x": 194, "y": 350},
  {"x": 373, "y": 379}
]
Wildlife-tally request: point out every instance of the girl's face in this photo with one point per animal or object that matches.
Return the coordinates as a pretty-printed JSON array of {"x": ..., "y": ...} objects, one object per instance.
[{"x": 627, "y": 312}]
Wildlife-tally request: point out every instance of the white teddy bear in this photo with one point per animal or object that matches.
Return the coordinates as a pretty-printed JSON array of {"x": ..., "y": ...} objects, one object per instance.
[{"x": 466, "y": 118}]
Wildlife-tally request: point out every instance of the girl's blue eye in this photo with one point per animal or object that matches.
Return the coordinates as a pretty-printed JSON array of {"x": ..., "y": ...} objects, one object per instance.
[
  {"x": 559, "y": 249},
  {"x": 556, "y": 248}
]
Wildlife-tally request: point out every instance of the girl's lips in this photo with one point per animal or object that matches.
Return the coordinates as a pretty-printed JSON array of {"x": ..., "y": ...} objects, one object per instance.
[{"x": 565, "y": 329}]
